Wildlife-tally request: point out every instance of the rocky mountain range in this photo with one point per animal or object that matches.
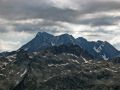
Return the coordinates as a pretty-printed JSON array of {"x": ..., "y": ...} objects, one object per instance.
[
  {"x": 99, "y": 49},
  {"x": 62, "y": 62}
]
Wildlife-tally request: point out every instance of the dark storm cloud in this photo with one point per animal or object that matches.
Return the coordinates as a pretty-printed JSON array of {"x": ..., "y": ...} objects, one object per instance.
[
  {"x": 24, "y": 9},
  {"x": 101, "y": 21},
  {"x": 100, "y": 6},
  {"x": 12, "y": 9},
  {"x": 21, "y": 10},
  {"x": 51, "y": 13}
]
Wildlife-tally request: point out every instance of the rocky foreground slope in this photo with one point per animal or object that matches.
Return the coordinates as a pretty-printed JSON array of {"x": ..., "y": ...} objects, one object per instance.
[{"x": 61, "y": 71}]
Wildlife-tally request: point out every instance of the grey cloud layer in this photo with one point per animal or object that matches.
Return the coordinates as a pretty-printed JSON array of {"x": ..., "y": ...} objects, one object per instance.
[
  {"x": 14, "y": 9},
  {"x": 89, "y": 18}
]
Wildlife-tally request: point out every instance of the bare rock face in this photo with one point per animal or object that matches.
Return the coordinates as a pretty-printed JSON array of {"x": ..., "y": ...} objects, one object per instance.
[
  {"x": 62, "y": 71},
  {"x": 98, "y": 49}
]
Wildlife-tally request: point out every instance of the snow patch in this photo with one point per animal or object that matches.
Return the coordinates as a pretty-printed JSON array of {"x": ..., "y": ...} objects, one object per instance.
[
  {"x": 110, "y": 70},
  {"x": 5, "y": 64},
  {"x": 26, "y": 49},
  {"x": 57, "y": 65},
  {"x": 35, "y": 53},
  {"x": 75, "y": 61},
  {"x": 98, "y": 50},
  {"x": 70, "y": 54},
  {"x": 53, "y": 44},
  {"x": 105, "y": 57},
  {"x": 23, "y": 73},
  {"x": 1, "y": 75},
  {"x": 84, "y": 59}
]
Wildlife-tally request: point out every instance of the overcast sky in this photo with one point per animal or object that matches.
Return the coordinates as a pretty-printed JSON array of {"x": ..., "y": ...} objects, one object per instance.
[{"x": 20, "y": 20}]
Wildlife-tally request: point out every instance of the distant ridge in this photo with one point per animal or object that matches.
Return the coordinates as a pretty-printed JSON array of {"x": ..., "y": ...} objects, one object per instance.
[{"x": 98, "y": 49}]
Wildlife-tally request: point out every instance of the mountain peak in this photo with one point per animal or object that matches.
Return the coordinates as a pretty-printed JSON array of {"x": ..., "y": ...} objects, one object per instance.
[
  {"x": 66, "y": 36},
  {"x": 99, "y": 41},
  {"x": 64, "y": 39},
  {"x": 43, "y": 34}
]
